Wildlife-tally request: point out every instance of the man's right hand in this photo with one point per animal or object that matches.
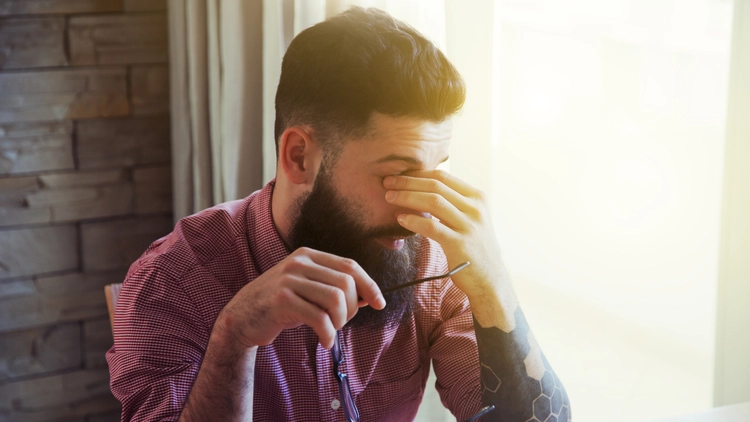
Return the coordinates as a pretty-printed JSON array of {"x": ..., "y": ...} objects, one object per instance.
[{"x": 308, "y": 287}]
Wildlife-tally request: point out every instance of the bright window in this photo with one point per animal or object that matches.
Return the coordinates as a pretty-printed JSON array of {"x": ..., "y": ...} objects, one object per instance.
[{"x": 607, "y": 152}]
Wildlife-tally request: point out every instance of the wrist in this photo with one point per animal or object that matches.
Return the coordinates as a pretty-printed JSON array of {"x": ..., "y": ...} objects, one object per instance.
[
  {"x": 495, "y": 306},
  {"x": 224, "y": 336}
]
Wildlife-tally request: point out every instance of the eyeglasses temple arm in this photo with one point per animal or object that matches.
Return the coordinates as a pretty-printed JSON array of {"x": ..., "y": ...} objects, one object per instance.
[{"x": 422, "y": 280}]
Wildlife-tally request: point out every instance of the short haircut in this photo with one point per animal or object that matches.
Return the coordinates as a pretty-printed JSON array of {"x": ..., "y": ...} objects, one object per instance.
[{"x": 337, "y": 73}]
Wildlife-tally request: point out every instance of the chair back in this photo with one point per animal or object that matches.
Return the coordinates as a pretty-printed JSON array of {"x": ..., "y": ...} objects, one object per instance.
[{"x": 112, "y": 292}]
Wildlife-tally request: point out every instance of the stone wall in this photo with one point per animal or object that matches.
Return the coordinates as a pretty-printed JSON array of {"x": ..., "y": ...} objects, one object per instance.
[{"x": 84, "y": 188}]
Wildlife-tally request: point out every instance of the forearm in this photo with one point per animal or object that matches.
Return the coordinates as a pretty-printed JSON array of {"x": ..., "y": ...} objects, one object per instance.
[
  {"x": 223, "y": 389},
  {"x": 516, "y": 376}
]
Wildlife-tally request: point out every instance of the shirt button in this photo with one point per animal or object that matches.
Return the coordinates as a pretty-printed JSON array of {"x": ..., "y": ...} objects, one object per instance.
[{"x": 335, "y": 404}]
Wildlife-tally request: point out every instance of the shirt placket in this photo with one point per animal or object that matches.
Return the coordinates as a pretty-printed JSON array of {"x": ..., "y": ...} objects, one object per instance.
[{"x": 330, "y": 405}]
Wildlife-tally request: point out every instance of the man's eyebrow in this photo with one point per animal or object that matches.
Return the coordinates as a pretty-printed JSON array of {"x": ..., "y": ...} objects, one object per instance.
[{"x": 410, "y": 160}]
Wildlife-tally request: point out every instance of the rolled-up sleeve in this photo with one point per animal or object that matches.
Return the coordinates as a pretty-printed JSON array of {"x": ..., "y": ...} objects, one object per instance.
[
  {"x": 454, "y": 354},
  {"x": 160, "y": 339}
]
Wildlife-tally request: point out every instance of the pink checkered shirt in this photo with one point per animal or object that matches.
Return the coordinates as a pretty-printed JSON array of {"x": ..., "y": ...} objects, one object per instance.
[{"x": 174, "y": 292}]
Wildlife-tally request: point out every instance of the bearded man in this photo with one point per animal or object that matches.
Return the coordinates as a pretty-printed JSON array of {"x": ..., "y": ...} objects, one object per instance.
[{"x": 271, "y": 307}]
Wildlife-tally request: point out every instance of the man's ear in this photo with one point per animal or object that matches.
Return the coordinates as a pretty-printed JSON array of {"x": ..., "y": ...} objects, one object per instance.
[{"x": 299, "y": 155}]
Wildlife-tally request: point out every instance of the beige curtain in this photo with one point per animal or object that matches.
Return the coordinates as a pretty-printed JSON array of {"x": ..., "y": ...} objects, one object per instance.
[{"x": 216, "y": 101}]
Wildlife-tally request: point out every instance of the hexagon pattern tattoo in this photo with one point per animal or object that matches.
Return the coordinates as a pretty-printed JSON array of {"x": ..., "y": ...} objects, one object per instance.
[{"x": 513, "y": 378}]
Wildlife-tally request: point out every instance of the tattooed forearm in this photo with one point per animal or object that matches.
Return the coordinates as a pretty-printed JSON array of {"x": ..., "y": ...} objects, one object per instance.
[{"x": 517, "y": 378}]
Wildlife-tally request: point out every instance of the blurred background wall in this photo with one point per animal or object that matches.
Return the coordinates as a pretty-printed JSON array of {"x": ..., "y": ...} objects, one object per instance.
[{"x": 84, "y": 188}]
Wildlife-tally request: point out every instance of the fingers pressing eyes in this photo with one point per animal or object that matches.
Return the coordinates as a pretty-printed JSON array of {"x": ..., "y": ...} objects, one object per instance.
[
  {"x": 446, "y": 201},
  {"x": 431, "y": 203}
]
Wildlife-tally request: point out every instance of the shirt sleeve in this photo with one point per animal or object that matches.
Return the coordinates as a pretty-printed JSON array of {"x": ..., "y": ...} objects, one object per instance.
[
  {"x": 454, "y": 354},
  {"x": 160, "y": 339}
]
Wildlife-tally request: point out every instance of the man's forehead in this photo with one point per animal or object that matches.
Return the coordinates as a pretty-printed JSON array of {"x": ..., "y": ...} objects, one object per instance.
[
  {"x": 384, "y": 127},
  {"x": 411, "y": 140}
]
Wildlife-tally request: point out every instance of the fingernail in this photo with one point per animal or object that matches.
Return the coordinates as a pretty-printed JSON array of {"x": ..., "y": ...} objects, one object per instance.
[
  {"x": 389, "y": 181},
  {"x": 401, "y": 219},
  {"x": 390, "y": 196}
]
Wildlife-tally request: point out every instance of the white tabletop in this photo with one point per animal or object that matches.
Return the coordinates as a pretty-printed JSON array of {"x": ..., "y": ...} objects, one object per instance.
[{"x": 734, "y": 413}]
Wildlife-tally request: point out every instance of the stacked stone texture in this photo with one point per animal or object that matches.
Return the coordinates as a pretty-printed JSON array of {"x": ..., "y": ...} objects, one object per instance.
[{"x": 84, "y": 188}]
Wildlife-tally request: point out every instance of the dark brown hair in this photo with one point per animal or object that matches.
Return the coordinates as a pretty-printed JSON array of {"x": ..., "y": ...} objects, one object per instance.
[{"x": 337, "y": 73}]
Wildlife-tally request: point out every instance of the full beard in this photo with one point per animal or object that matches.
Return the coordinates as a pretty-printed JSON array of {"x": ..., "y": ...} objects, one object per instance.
[{"x": 329, "y": 223}]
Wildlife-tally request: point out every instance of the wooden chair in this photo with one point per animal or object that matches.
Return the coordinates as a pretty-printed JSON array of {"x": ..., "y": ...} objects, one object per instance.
[{"x": 112, "y": 292}]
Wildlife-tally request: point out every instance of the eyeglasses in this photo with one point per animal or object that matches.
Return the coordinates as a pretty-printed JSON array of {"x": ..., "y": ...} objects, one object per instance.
[{"x": 347, "y": 401}]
